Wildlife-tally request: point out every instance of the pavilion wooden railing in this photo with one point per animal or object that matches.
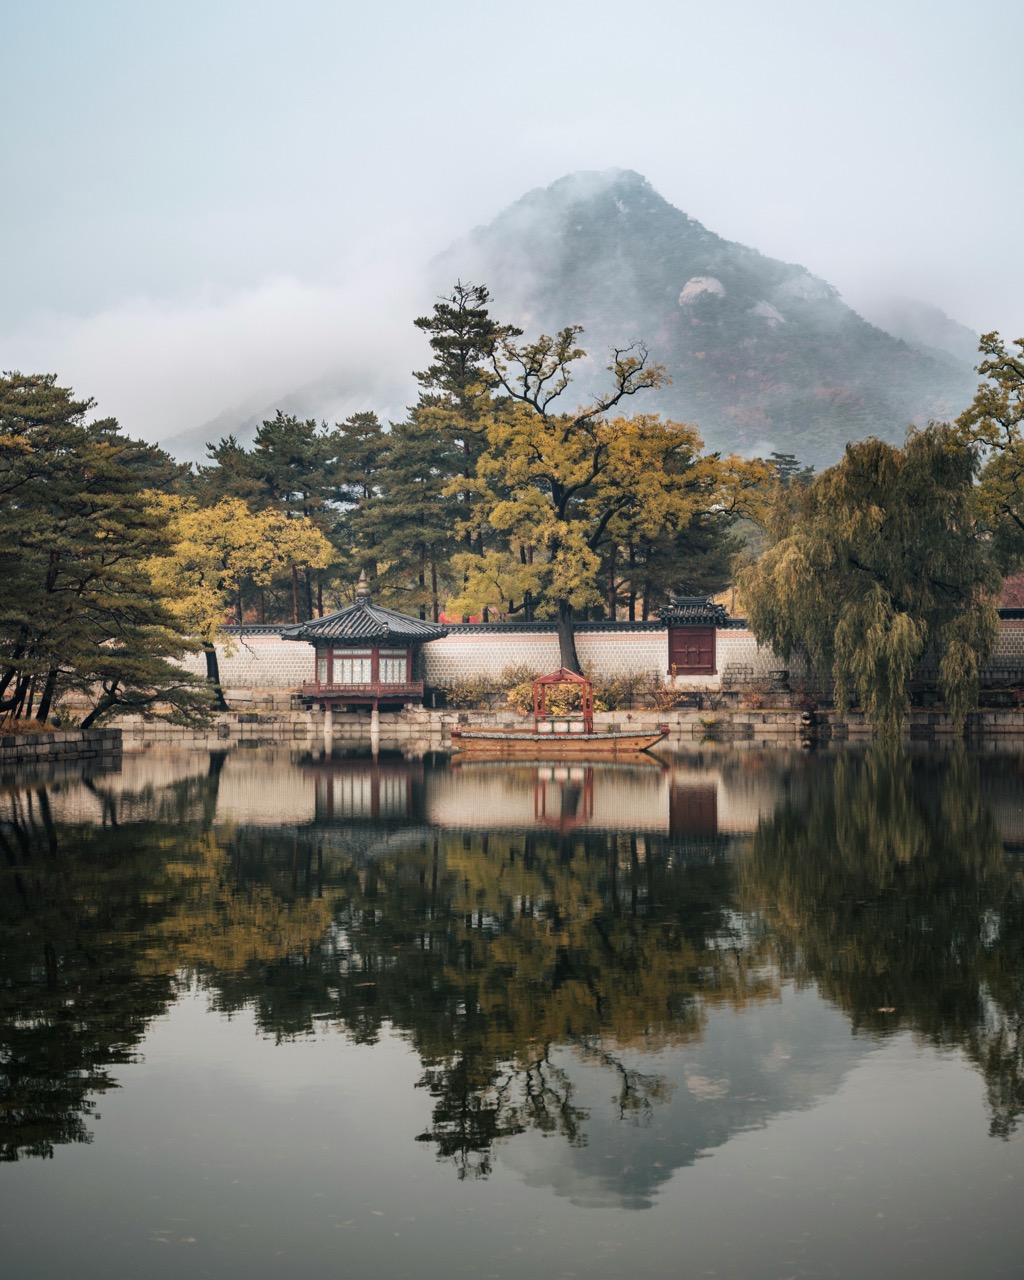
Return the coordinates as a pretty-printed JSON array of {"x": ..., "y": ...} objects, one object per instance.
[{"x": 370, "y": 689}]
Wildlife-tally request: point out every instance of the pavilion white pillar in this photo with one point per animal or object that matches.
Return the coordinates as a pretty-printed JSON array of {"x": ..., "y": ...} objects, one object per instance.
[
  {"x": 328, "y": 729},
  {"x": 374, "y": 730}
]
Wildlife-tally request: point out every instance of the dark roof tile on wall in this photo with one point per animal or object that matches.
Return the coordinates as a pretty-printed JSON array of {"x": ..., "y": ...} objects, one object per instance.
[{"x": 694, "y": 611}]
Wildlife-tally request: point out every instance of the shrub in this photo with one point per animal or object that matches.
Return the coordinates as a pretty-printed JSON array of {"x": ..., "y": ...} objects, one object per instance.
[
  {"x": 9, "y": 725},
  {"x": 475, "y": 694},
  {"x": 625, "y": 692}
]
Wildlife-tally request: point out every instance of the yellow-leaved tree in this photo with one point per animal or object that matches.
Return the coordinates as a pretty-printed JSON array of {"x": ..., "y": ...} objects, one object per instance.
[
  {"x": 214, "y": 549},
  {"x": 562, "y": 486}
]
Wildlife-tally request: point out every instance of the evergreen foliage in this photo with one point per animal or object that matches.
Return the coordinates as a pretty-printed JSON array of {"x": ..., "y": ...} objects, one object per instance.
[
  {"x": 488, "y": 498},
  {"x": 76, "y": 532}
]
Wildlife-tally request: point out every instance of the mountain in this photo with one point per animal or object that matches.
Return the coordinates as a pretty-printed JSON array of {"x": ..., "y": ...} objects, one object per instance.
[
  {"x": 762, "y": 354},
  {"x": 924, "y": 327},
  {"x": 330, "y": 399}
]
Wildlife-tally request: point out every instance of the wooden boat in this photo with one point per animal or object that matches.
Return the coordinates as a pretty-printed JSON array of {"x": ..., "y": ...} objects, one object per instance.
[
  {"x": 524, "y": 744},
  {"x": 558, "y": 732}
]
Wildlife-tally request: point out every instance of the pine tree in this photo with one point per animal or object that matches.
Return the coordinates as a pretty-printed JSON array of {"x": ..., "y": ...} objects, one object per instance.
[{"x": 76, "y": 531}]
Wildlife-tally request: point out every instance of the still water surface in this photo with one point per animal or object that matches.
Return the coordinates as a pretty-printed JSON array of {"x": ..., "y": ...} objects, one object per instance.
[{"x": 735, "y": 1015}]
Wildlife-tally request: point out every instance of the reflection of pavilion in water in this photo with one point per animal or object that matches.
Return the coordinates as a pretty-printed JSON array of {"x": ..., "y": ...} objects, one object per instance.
[
  {"x": 713, "y": 797},
  {"x": 277, "y": 789},
  {"x": 366, "y": 791},
  {"x": 676, "y": 800},
  {"x": 703, "y": 809}
]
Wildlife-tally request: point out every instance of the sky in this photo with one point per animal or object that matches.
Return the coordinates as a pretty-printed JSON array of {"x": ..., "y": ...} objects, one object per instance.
[{"x": 211, "y": 204}]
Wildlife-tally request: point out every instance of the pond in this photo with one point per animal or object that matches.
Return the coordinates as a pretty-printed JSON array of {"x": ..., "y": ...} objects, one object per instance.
[{"x": 735, "y": 1014}]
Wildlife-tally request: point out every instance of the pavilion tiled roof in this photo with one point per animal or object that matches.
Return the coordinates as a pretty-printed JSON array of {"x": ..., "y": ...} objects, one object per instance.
[{"x": 365, "y": 623}]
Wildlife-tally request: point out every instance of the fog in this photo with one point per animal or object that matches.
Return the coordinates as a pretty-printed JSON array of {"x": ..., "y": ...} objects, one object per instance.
[
  {"x": 189, "y": 369},
  {"x": 211, "y": 211}
]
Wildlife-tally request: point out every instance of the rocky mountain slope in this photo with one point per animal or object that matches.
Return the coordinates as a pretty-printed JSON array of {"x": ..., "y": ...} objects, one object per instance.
[{"x": 762, "y": 354}]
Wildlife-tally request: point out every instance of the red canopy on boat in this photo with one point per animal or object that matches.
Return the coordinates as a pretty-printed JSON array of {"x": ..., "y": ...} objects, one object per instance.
[{"x": 560, "y": 678}]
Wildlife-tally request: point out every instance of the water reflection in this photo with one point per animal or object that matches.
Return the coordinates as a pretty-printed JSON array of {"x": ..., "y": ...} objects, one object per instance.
[
  {"x": 891, "y": 889},
  {"x": 624, "y": 959}
]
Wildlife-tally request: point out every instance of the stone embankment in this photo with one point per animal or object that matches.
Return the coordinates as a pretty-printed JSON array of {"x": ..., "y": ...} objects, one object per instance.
[
  {"x": 263, "y": 717},
  {"x": 419, "y": 729},
  {"x": 103, "y": 746}
]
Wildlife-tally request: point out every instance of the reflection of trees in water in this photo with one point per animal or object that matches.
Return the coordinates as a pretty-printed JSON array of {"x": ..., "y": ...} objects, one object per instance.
[
  {"x": 491, "y": 951},
  {"x": 77, "y": 992},
  {"x": 486, "y": 951},
  {"x": 882, "y": 880},
  {"x": 97, "y": 923},
  {"x": 885, "y": 882}
]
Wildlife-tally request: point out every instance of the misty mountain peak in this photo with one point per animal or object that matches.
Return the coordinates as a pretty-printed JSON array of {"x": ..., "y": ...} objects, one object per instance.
[{"x": 762, "y": 354}]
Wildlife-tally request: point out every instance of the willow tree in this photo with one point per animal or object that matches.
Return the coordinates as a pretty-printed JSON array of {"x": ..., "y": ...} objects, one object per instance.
[{"x": 878, "y": 561}]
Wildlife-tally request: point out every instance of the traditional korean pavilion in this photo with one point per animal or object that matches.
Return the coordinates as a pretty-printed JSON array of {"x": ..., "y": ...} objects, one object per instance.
[{"x": 365, "y": 655}]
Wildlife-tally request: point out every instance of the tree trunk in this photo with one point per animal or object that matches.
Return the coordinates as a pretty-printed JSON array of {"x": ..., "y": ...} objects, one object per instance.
[
  {"x": 27, "y": 713},
  {"x": 213, "y": 676},
  {"x": 295, "y": 594},
  {"x": 110, "y": 699},
  {"x": 18, "y": 698},
  {"x": 610, "y": 594},
  {"x": 48, "y": 691},
  {"x": 567, "y": 638}
]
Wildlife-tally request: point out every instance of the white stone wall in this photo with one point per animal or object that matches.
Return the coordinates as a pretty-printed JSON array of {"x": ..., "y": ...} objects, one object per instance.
[
  {"x": 739, "y": 649},
  {"x": 624, "y": 653},
  {"x": 1009, "y": 650},
  {"x": 259, "y": 662},
  {"x": 463, "y": 655},
  {"x": 266, "y": 662},
  {"x": 466, "y": 656}
]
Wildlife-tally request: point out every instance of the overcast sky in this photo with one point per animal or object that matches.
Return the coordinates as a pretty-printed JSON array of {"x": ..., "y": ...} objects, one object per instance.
[{"x": 212, "y": 202}]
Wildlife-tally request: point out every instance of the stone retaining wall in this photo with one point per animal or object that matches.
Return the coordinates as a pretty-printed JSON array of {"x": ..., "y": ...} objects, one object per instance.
[
  {"x": 418, "y": 729},
  {"x": 18, "y": 749}
]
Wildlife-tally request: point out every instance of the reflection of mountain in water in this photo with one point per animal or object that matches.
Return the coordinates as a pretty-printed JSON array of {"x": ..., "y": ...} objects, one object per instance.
[{"x": 777, "y": 1057}]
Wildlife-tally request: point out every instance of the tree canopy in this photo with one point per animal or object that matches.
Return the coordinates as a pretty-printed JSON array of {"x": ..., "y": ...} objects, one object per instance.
[
  {"x": 76, "y": 532},
  {"x": 573, "y": 496},
  {"x": 993, "y": 425},
  {"x": 874, "y": 563}
]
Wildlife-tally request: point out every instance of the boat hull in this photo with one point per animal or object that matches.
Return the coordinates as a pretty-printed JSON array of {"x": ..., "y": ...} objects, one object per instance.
[{"x": 526, "y": 745}]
